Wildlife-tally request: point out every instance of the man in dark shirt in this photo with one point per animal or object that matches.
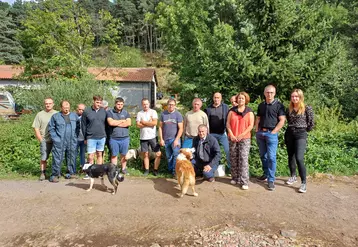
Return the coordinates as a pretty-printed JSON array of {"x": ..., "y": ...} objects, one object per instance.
[
  {"x": 119, "y": 121},
  {"x": 80, "y": 140},
  {"x": 270, "y": 119},
  {"x": 207, "y": 154},
  {"x": 217, "y": 113},
  {"x": 93, "y": 127}
]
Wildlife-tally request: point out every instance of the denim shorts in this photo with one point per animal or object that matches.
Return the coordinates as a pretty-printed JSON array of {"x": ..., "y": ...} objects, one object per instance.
[
  {"x": 45, "y": 149},
  {"x": 119, "y": 146},
  {"x": 94, "y": 145}
]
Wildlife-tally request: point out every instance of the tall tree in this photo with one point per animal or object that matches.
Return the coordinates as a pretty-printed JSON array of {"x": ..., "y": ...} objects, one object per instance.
[
  {"x": 231, "y": 45},
  {"x": 10, "y": 48},
  {"x": 57, "y": 38}
]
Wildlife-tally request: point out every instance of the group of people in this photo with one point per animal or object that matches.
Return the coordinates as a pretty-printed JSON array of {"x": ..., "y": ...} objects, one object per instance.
[{"x": 65, "y": 133}]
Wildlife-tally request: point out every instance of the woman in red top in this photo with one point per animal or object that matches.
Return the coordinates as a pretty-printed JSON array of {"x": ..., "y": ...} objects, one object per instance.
[{"x": 240, "y": 122}]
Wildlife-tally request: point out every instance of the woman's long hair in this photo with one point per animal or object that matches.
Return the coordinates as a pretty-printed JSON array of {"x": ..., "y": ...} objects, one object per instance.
[{"x": 301, "y": 103}]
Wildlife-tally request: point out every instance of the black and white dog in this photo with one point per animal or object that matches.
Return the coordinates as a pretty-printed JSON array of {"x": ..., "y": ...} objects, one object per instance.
[{"x": 98, "y": 171}]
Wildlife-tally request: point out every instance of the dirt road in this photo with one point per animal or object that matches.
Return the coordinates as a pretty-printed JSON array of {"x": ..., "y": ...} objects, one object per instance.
[{"x": 147, "y": 211}]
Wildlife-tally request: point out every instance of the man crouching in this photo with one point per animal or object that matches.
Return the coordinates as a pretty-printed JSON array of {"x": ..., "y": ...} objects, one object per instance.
[{"x": 207, "y": 154}]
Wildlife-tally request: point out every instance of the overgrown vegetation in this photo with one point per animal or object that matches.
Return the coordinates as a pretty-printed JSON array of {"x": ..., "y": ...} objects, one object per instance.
[
  {"x": 332, "y": 148},
  {"x": 75, "y": 90}
]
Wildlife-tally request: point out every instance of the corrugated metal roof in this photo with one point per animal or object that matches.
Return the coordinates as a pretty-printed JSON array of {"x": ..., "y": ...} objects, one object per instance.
[
  {"x": 123, "y": 74},
  {"x": 101, "y": 74}
]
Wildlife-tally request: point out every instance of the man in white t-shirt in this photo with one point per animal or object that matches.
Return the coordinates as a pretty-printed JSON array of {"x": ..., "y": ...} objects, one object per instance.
[{"x": 147, "y": 120}]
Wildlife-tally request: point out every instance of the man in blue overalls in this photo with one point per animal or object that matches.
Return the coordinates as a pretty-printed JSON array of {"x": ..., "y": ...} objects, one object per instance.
[{"x": 64, "y": 129}]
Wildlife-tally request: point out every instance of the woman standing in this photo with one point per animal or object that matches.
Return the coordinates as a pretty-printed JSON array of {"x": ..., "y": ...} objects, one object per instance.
[
  {"x": 240, "y": 122},
  {"x": 300, "y": 121}
]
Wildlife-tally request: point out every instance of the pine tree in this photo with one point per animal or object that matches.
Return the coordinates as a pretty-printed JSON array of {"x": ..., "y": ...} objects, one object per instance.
[{"x": 10, "y": 48}]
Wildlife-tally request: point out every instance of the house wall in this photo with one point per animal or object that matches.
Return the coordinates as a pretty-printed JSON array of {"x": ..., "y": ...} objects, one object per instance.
[{"x": 134, "y": 92}]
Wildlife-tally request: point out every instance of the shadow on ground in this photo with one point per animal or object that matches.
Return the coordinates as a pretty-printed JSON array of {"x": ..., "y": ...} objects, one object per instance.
[{"x": 166, "y": 186}]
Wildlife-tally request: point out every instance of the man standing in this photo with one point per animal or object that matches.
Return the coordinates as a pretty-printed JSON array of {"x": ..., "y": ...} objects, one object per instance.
[
  {"x": 217, "y": 115},
  {"x": 192, "y": 120},
  {"x": 80, "y": 140},
  {"x": 64, "y": 128},
  {"x": 170, "y": 131},
  {"x": 207, "y": 154},
  {"x": 270, "y": 119},
  {"x": 40, "y": 126},
  {"x": 119, "y": 121},
  {"x": 147, "y": 120},
  {"x": 93, "y": 127}
]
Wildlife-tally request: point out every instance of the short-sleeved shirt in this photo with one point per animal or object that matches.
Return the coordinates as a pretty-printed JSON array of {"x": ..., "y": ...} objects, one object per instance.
[
  {"x": 41, "y": 122},
  {"x": 116, "y": 131},
  {"x": 147, "y": 133},
  {"x": 170, "y": 122},
  {"x": 269, "y": 114}
]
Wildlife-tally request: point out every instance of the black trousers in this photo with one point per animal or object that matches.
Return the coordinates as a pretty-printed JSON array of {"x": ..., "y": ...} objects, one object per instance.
[{"x": 296, "y": 143}]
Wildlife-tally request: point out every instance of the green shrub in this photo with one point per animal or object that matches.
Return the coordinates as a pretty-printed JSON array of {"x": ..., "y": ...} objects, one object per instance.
[
  {"x": 332, "y": 148},
  {"x": 74, "y": 90}
]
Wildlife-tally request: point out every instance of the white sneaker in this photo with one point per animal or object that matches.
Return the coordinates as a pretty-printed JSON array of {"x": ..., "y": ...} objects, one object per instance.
[
  {"x": 303, "y": 188},
  {"x": 245, "y": 187},
  {"x": 291, "y": 180},
  {"x": 233, "y": 182},
  {"x": 86, "y": 177}
]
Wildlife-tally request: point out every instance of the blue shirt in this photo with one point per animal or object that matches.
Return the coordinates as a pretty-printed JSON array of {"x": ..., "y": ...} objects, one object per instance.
[{"x": 117, "y": 132}]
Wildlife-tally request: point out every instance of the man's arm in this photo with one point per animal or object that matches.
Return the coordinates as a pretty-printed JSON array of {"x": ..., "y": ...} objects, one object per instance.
[
  {"x": 280, "y": 124},
  {"x": 51, "y": 128},
  {"x": 257, "y": 123},
  {"x": 119, "y": 123},
  {"x": 160, "y": 133},
  {"x": 152, "y": 122},
  {"x": 84, "y": 124},
  {"x": 176, "y": 142},
  {"x": 38, "y": 134}
]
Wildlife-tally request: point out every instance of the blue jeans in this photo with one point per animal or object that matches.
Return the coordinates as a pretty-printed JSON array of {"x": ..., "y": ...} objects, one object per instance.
[
  {"x": 188, "y": 142},
  {"x": 198, "y": 167},
  {"x": 268, "y": 143},
  {"x": 222, "y": 139},
  {"x": 82, "y": 147},
  {"x": 172, "y": 153}
]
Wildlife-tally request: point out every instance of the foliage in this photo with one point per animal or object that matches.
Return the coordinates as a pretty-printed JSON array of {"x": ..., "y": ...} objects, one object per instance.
[
  {"x": 124, "y": 56},
  {"x": 20, "y": 151},
  {"x": 139, "y": 29},
  {"x": 332, "y": 148},
  {"x": 58, "y": 37},
  {"x": 10, "y": 48},
  {"x": 230, "y": 45},
  {"x": 74, "y": 90}
]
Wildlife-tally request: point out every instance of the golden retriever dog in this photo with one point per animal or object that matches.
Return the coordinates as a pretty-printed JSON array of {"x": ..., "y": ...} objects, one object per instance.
[{"x": 185, "y": 171}]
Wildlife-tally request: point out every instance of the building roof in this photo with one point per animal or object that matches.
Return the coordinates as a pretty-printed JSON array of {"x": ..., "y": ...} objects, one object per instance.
[
  {"x": 123, "y": 74},
  {"x": 100, "y": 73},
  {"x": 10, "y": 71}
]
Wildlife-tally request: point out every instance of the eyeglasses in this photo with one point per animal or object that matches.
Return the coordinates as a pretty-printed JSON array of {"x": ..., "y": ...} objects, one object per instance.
[{"x": 270, "y": 92}]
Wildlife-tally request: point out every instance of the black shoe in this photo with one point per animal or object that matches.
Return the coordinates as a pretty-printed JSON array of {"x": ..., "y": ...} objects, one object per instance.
[
  {"x": 155, "y": 172},
  {"x": 146, "y": 172},
  {"x": 271, "y": 186},
  {"x": 263, "y": 178}
]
